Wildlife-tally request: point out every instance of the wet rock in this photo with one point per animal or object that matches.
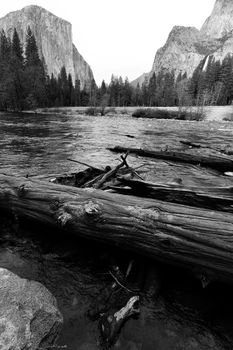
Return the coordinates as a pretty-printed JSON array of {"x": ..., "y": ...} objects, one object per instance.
[{"x": 29, "y": 317}]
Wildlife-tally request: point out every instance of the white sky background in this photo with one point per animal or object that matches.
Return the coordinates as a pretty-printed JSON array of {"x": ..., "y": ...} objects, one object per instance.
[{"x": 120, "y": 36}]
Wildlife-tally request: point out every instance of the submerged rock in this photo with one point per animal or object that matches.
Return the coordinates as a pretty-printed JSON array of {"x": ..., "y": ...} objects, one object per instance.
[{"x": 29, "y": 317}]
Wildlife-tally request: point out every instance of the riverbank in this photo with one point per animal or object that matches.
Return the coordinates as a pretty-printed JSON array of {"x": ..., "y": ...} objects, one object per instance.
[{"x": 212, "y": 113}]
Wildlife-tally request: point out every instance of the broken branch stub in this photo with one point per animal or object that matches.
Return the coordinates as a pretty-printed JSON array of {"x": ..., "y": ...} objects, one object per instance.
[{"x": 111, "y": 323}]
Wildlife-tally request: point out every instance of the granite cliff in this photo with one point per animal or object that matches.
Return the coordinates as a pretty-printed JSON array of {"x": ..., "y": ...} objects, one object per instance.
[
  {"x": 187, "y": 46},
  {"x": 54, "y": 40},
  {"x": 220, "y": 22}
]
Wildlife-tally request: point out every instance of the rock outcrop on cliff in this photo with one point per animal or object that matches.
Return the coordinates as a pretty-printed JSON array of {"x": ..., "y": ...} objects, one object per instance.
[
  {"x": 54, "y": 40},
  {"x": 187, "y": 46},
  {"x": 181, "y": 52},
  {"x": 29, "y": 317},
  {"x": 220, "y": 22}
]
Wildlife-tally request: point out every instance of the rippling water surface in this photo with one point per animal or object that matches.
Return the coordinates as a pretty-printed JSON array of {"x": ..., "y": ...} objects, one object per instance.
[{"x": 176, "y": 313}]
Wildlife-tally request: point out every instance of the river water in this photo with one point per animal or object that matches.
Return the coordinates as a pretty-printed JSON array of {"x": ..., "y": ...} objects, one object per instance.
[{"x": 176, "y": 313}]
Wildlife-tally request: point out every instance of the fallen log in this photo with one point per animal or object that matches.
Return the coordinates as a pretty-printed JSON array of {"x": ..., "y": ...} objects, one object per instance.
[
  {"x": 217, "y": 162},
  {"x": 194, "y": 238},
  {"x": 216, "y": 198},
  {"x": 198, "y": 145}
]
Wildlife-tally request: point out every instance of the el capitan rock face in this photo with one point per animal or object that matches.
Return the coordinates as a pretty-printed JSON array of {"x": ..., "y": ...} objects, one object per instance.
[
  {"x": 187, "y": 46},
  {"x": 54, "y": 39}
]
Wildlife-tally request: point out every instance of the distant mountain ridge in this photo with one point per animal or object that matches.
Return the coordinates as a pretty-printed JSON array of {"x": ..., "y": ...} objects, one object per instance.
[
  {"x": 54, "y": 40},
  {"x": 187, "y": 46}
]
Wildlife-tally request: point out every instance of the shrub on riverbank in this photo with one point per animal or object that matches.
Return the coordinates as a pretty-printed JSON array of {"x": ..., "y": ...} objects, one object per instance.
[
  {"x": 92, "y": 111},
  {"x": 166, "y": 114},
  {"x": 228, "y": 118},
  {"x": 100, "y": 111}
]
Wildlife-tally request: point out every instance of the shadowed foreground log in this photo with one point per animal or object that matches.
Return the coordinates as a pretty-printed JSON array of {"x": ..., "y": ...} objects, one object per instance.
[
  {"x": 194, "y": 238},
  {"x": 221, "y": 163}
]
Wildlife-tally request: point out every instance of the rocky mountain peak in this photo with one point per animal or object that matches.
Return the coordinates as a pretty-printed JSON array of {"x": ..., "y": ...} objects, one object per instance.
[
  {"x": 180, "y": 52},
  {"x": 187, "y": 46},
  {"x": 224, "y": 3},
  {"x": 220, "y": 22},
  {"x": 54, "y": 40},
  {"x": 178, "y": 33}
]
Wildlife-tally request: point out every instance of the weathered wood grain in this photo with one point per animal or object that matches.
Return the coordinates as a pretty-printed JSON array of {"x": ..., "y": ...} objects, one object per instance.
[
  {"x": 218, "y": 162},
  {"x": 215, "y": 198},
  {"x": 194, "y": 238}
]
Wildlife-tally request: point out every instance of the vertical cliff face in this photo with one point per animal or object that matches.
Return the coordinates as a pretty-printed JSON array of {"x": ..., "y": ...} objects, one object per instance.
[
  {"x": 187, "y": 46},
  {"x": 54, "y": 40},
  {"x": 82, "y": 70},
  {"x": 220, "y": 23},
  {"x": 180, "y": 53}
]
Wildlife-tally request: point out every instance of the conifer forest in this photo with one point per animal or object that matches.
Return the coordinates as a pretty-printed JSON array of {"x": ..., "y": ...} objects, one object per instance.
[{"x": 25, "y": 84}]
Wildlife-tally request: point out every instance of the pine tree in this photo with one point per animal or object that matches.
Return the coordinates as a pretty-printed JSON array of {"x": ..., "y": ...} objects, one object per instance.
[
  {"x": 17, "y": 93},
  {"x": 93, "y": 93},
  {"x": 17, "y": 49},
  {"x": 145, "y": 95},
  {"x": 169, "y": 94},
  {"x": 71, "y": 91},
  {"x": 127, "y": 93},
  {"x": 35, "y": 76},
  {"x": 64, "y": 87},
  {"x": 103, "y": 88},
  {"x": 114, "y": 91},
  {"x": 152, "y": 90},
  {"x": 196, "y": 82},
  {"x": 77, "y": 93},
  {"x": 225, "y": 77},
  {"x": 32, "y": 55},
  {"x": 5, "y": 71},
  {"x": 137, "y": 96},
  {"x": 52, "y": 91},
  {"x": 84, "y": 97}
]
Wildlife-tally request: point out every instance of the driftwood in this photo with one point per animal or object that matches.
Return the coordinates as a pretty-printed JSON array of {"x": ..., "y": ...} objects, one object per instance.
[
  {"x": 190, "y": 144},
  {"x": 93, "y": 177},
  {"x": 111, "y": 173},
  {"x": 111, "y": 323},
  {"x": 79, "y": 179},
  {"x": 217, "y": 198},
  {"x": 108, "y": 296},
  {"x": 82, "y": 163},
  {"x": 112, "y": 298},
  {"x": 217, "y": 162},
  {"x": 194, "y": 238}
]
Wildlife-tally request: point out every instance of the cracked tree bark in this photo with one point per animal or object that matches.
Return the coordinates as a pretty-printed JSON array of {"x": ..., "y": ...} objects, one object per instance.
[{"x": 197, "y": 239}]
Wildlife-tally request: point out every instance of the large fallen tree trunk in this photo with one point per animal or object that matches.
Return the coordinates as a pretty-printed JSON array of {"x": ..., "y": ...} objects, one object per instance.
[
  {"x": 217, "y": 162},
  {"x": 198, "y": 239}
]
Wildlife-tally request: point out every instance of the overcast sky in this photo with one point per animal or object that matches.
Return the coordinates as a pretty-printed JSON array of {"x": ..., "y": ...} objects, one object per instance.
[{"x": 120, "y": 36}]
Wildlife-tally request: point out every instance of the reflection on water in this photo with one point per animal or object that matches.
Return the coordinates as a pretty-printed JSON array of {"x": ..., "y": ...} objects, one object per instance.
[{"x": 176, "y": 312}]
